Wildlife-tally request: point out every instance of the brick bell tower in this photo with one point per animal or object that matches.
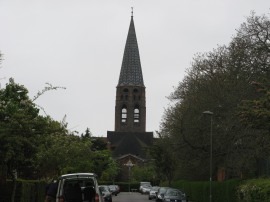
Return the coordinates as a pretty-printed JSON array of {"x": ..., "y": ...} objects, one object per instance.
[
  {"x": 130, "y": 110},
  {"x": 130, "y": 139}
]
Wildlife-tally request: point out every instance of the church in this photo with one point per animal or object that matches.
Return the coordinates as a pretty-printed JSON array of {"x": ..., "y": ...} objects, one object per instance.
[{"x": 129, "y": 140}]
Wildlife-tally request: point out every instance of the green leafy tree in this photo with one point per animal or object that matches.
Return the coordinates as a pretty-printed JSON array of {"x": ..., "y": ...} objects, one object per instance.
[
  {"x": 164, "y": 160},
  {"x": 219, "y": 81},
  {"x": 18, "y": 126},
  {"x": 40, "y": 147},
  {"x": 111, "y": 170},
  {"x": 22, "y": 131},
  {"x": 256, "y": 113},
  {"x": 87, "y": 134},
  {"x": 99, "y": 144},
  {"x": 101, "y": 161},
  {"x": 145, "y": 173}
]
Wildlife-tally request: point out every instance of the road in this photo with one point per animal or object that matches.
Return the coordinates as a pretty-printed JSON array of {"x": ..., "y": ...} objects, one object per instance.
[{"x": 130, "y": 197}]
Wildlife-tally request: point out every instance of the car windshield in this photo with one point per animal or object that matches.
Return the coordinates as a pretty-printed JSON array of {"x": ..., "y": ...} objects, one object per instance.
[
  {"x": 80, "y": 182},
  {"x": 154, "y": 188},
  {"x": 104, "y": 188},
  {"x": 162, "y": 190},
  {"x": 112, "y": 187},
  {"x": 173, "y": 192},
  {"x": 145, "y": 183}
]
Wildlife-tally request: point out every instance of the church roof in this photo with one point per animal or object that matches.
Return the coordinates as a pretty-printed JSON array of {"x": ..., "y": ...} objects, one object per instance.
[
  {"x": 131, "y": 72},
  {"x": 129, "y": 143}
]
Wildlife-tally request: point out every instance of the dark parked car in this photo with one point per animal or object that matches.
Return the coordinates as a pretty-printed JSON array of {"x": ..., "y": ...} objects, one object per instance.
[
  {"x": 153, "y": 192},
  {"x": 175, "y": 195},
  {"x": 160, "y": 193},
  {"x": 106, "y": 193}
]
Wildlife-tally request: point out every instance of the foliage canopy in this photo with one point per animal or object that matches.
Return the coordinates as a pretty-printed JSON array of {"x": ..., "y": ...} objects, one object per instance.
[{"x": 221, "y": 81}]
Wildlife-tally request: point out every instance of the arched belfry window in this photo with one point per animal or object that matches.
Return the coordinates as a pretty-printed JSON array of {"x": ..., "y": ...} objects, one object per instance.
[
  {"x": 124, "y": 114},
  {"x": 136, "y": 114},
  {"x": 125, "y": 92}
]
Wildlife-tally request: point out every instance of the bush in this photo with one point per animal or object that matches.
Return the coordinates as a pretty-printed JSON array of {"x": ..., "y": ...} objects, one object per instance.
[
  {"x": 255, "y": 190},
  {"x": 26, "y": 191},
  {"x": 199, "y": 191}
]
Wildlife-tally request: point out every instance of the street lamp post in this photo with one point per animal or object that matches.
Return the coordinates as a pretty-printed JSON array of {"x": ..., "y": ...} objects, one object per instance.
[
  {"x": 211, "y": 151},
  {"x": 129, "y": 164}
]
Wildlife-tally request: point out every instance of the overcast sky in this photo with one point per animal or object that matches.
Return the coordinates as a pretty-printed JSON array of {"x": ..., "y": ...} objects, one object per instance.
[{"x": 79, "y": 44}]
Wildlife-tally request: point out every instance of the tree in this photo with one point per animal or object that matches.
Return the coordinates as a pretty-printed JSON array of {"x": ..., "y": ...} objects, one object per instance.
[
  {"x": 64, "y": 153},
  {"x": 18, "y": 117},
  {"x": 111, "y": 170},
  {"x": 146, "y": 173},
  {"x": 22, "y": 130},
  {"x": 40, "y": 147},
  {"x": 219, "y": 81},
  {"x": 99, "y": 144},
  {"x": 87, "y": 134},
  {"x": 164, "y": 159},
  {"x": 256, "y": 113}
]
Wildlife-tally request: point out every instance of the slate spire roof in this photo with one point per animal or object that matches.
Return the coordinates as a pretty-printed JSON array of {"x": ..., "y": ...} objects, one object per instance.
[{"x": 131, "y": 72}]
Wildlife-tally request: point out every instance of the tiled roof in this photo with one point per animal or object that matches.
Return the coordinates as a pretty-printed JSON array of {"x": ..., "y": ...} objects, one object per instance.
[
  {"x": 130, "y": 142},
  {"x": 131, "y": 72}
]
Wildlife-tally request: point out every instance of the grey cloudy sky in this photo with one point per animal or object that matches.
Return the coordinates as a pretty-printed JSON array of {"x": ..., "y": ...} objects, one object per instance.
[{"x": 79, "y": 44}]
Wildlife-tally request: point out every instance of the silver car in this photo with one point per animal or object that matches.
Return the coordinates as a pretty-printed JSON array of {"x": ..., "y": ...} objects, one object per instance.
[
  {"x": 146, "y": 189},
  {"x": 106, "y": 193},
  {"x": 153, "y": 192}
]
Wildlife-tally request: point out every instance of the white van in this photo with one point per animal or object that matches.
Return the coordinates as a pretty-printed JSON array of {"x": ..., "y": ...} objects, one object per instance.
[{"x": 78, "y": 187}]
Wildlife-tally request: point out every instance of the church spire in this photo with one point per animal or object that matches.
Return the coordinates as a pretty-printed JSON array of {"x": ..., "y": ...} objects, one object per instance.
[{"x": 131, "y": 72}]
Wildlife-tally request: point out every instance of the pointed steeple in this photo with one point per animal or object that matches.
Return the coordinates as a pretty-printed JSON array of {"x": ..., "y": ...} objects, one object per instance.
[{"x": 131, "y": 72}]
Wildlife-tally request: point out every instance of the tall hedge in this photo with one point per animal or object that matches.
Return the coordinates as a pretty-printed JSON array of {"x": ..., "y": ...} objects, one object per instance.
[
  {"x": 26, "y": 191},
  {"x": 200, "y": 191},
  {"x": 254, "y": 190}
]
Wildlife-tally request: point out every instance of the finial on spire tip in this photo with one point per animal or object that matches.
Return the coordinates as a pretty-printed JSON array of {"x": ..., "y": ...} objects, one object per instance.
[{"x": 131, "y": 11}]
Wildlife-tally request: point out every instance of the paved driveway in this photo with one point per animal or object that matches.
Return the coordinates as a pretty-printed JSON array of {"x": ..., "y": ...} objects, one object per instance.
[{"x": 131, "y": 197}]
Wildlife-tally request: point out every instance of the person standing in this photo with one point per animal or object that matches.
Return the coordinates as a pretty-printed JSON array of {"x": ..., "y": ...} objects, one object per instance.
[{"x": 51, "y": 191}]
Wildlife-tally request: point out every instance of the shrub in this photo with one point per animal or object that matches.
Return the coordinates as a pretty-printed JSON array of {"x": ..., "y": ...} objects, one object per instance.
[
  {"x": 199, "y": 191},
  {"x": 255, "y": 190},
  {"x": 26, "y": 191}
]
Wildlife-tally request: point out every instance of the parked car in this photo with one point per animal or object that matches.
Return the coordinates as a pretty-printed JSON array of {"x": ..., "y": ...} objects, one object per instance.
[
  {"x": 160, "y": 193},
  {"x": 153, "y": 192},
  {"x": 175, "y": 195},
  {"x": 78, "y": 187},
  {"x": 118, "y": 188},
  {"x": 142, "y": 184},
  {"x": 106, "y": 193},
  {"x": 146, "y": 189},
  {"x": 114, "y": 189}
]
